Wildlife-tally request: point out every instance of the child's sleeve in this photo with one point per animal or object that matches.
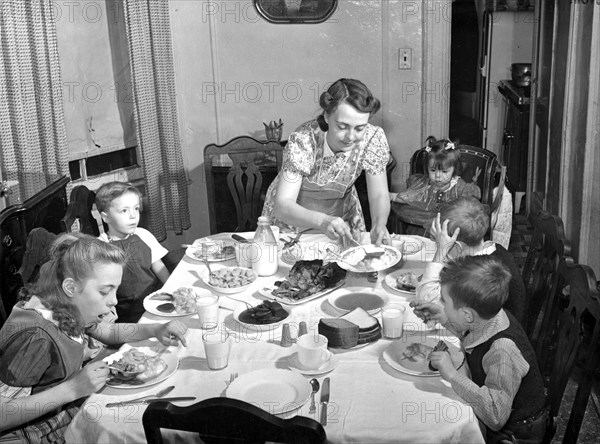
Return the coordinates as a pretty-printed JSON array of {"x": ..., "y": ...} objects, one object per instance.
[
  {"x": 505, "y": 367},
  {"x": 157, "y": 250},
  {"x": 26, "y": 358}
]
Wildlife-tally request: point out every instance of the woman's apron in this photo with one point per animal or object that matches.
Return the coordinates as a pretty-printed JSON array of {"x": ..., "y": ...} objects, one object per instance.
[{"x": 334, "y": 195}]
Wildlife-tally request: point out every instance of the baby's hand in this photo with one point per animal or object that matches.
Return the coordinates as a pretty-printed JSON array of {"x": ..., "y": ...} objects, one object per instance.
[
  {"x": 172, "y": 333},
  {"x": 428, "y": 311},
  {"x": 442, "y": 361},
  {"x": 89, "y": 379}
]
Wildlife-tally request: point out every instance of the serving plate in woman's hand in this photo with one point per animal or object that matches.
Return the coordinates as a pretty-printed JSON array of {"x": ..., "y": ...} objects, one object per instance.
[{"x": 354, "y": 258}]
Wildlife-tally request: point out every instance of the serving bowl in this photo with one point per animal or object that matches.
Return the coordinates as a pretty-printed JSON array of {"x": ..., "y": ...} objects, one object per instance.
[{"x": 229, "y": 280}]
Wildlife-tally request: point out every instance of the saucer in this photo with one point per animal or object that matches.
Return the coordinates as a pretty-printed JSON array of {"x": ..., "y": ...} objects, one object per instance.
[{"x": 327, "y": 366}]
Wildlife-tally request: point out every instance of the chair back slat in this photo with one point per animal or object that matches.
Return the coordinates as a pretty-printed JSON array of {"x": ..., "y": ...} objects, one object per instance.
[
  {"x": 548, "y": 246},
  {"x": 569, "y": 341},
  {"x": 225, "y": 420},
  {"x": 244, "y": 159}
]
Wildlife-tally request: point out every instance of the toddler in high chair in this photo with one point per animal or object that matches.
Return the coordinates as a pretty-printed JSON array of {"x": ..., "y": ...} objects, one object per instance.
[{"x": 441, "y": 183}]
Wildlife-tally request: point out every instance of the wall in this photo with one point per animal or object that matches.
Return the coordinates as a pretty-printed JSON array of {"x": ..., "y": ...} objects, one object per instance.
[{"x": 235, "y": 71}]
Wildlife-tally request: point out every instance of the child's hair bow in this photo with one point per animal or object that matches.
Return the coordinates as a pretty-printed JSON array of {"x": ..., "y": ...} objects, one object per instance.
[
  {"x": 427, "y": 148},
  {"x": 449, "y": 146}
]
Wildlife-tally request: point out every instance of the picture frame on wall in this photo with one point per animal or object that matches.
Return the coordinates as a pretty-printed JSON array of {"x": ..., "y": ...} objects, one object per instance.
[{"x": 295, "y": 11}]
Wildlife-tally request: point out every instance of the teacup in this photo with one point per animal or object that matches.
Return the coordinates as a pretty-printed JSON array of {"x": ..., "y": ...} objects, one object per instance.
[{"x": 312, "y": 351}]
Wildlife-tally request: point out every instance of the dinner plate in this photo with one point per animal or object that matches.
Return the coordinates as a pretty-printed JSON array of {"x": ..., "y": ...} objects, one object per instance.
[
  {"x": 151, "y": 306},
  {"x": 268, "y": 293},
  {"x": 327, "y": 366},
  {"x": 392, "y": 279},
  {"x": 348, "y": 261},
  {"x": 277, "y": 391},
  {"x": 169, "y": 357},
  {"x": 347, "y": 299},
  {"x": 211, "y": 248},
  {"x": 397, "y": 355},
  {"x": 257, "y": 327}
]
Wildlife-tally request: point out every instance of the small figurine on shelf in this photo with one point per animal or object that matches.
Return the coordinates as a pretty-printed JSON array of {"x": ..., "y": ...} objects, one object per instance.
[{"x": 274, "y": 130}]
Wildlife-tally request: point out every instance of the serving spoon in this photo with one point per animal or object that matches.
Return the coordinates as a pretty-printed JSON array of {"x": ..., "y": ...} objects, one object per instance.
[{"x": 315, "y": 388}]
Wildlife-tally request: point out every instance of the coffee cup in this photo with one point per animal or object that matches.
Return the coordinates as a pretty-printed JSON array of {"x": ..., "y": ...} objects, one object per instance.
[
  {"x": 217, "y": 345},
  {"x": 207, "y": 307},
  {"x": 392, "y": 316},
  {"x": 312, "y": 351}
]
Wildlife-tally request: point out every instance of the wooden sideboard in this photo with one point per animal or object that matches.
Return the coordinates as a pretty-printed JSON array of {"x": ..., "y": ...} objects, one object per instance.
[{"x": 29, "y": 200}]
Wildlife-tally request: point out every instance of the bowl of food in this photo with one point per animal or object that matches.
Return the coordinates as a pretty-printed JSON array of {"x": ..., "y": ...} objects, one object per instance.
[
  {"x": 265, "y": 316},
  {"x": 229, "y": 280}
]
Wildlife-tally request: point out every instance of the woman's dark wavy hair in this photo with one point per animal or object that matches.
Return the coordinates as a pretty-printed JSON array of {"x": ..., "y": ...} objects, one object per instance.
[
  {"x": 441, "y": 156},
  {"x": 72, "y": 255},
  {"x": 354, "y": 92}
]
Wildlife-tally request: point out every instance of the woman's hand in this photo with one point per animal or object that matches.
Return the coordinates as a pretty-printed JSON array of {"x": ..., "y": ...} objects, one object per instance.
[
  {"x": 380, "y": 235},
  {"x": 172, "y": 333},
  {"x": 335, "y": 227},
  {"x": 89, "y": 379}
]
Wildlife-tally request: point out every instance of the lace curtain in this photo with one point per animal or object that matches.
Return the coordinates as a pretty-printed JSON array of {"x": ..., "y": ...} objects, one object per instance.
[
  {"x": 32, "y": 126},
  {"x": 151, "y": 55}
]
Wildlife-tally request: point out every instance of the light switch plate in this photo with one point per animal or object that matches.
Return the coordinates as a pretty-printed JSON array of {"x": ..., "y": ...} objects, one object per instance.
[{"x": 405, "y": 58}]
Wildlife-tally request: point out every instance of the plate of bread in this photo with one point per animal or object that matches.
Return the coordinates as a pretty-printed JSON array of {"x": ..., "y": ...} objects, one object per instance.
[{"x": 356, "y": 328}]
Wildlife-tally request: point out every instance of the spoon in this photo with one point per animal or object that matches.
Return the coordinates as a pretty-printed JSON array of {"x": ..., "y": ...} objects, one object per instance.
[
  {"x": 208, "y": 266},
  {"x": 315, "y": 388}
]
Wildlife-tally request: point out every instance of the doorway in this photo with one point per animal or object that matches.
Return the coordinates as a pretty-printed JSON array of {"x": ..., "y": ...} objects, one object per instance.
[{"x": 464, "y": 55}]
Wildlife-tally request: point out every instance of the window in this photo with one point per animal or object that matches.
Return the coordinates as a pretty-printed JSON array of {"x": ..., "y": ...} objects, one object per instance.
[{"x": 295, "y": 11}]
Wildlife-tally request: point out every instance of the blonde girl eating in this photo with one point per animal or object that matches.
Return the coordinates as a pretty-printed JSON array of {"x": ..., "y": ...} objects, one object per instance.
[{"x": 44, "y": 342}]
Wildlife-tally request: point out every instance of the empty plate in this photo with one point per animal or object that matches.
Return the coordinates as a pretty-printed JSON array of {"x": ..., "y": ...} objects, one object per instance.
[{"x": 273, "y": 390}]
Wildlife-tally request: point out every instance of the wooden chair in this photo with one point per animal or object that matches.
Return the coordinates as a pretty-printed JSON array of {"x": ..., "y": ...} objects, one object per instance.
[
  {"x": 37, "y": 251},
  {"x": 242, "y": 165},
  {"x": 548, "y": 246},
  {"x": 572, "y": 325},
  {"x": 225, "y": 420},
  {"x": 479, "y": 166},
  {"x": 78, "y": 217}
]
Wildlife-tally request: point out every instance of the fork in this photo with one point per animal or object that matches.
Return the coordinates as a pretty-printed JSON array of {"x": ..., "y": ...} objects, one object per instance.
[
  {"x": 239, "y": 300},
  {"x": 232, "y": 377}
]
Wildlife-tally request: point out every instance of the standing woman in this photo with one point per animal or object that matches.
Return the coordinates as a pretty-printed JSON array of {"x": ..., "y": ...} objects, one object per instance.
[{"x": 322, "y": 160}]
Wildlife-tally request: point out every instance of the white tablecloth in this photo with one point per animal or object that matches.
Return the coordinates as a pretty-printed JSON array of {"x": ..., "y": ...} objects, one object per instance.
[{"x": 370, "y": 401}]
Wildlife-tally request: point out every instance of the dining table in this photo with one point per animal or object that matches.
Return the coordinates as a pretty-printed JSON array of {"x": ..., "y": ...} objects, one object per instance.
[{"x": 372, "y": 400}]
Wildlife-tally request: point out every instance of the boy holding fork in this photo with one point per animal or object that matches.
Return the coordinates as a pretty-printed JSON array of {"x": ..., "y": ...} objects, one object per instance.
[{"x": 506, "y": 390}]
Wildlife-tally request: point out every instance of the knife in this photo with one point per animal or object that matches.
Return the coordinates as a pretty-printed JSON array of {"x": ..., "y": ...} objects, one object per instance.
[
  {"x": 324, "y": 401},
  {"x": 148, "y": 401}
]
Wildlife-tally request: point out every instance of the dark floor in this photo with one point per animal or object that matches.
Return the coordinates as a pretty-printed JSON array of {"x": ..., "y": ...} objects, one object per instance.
[{"x": 590, "y": 429}]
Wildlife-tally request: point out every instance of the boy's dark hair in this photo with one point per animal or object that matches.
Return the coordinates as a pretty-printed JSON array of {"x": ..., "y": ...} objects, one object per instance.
[
  {"x": 111, "y": 190},
  {"x": 353, "y": 92},
  {"x": 468, "y": 214},
  {"x": 477, "y": 282},
  {"x": 443, "y": 153}
]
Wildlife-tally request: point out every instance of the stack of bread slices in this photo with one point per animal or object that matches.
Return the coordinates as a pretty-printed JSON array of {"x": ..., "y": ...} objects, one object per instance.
[{"x": 353, "y": 328}]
